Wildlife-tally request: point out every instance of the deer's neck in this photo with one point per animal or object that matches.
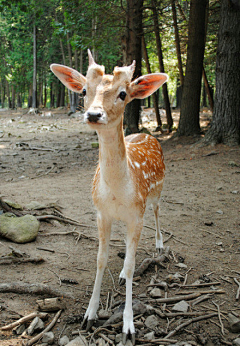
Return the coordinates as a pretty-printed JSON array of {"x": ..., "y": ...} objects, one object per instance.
[{"x": 112, "y": 155}]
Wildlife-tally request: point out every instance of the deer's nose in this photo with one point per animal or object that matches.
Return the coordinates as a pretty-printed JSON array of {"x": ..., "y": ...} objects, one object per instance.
[{"x": 93, "y": 117}]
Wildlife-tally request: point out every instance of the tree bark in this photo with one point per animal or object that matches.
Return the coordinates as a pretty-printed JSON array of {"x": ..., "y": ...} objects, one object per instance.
[
  {"x": 161, "y": 65},
  {"x": 155, "y": 98},
  {"x": 133, "y": 51},
  {"x": 177, "y": 42},
  {"x": 34, "y": 93},
  {"x": 190, "y": 106},
  {"x": 225, "y": 127}
]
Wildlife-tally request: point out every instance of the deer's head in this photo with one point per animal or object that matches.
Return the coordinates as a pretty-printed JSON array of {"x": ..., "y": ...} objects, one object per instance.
[{"x": 105, "y": 96}]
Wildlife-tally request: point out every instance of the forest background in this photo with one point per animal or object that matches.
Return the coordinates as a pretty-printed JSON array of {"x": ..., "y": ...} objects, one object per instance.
[{"x": 197, "y": 43}]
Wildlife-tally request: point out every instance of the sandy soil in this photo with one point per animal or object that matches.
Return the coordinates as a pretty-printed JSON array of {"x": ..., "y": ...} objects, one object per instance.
[{"x": 51, "y": 160}]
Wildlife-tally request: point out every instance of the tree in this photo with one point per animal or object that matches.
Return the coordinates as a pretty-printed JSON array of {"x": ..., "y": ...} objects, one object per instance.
[
  {"x": 161, "y": 65},
  {"x": 190, "y": 105},
  {"x": 133, "y": 51},
  {"x": 225, "y": 127}
]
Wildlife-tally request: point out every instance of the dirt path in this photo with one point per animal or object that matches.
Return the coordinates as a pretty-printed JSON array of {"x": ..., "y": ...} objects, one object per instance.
[{"x": 51, "y": 159}]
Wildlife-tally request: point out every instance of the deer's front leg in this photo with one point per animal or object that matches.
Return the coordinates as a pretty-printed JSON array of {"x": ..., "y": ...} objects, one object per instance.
[
  {"x": 133, "y": 235},
  {"x": 104, "y": 231}
]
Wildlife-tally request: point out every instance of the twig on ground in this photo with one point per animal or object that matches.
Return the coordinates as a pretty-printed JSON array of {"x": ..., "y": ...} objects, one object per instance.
[
  {"x": 164, "y": 231},
  {"x": 59, "y": 279},
  {"x": 45, "y": 249},
  {"x": 204, "y": 284},
  {"x": 25, "y": 319},
  {"x": 49, "y": 327},
  {"x": 69, "y": 232},
  {"x": 185, "y": 324},
  {"x": 219, "y": 317},
  {"x": 178, "y": 298},
  {"x": 238, "y": 291},
  {"x": 65, "y": 220}
]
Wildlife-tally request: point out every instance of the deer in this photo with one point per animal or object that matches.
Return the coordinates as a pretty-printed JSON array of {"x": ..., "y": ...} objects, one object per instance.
[{"x": 130, "y": 172}]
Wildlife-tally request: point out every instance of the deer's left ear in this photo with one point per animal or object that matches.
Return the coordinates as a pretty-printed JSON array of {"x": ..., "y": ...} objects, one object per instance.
[
  {"x": 145, "y": 86},
  {"x": 71, "y": 78}
]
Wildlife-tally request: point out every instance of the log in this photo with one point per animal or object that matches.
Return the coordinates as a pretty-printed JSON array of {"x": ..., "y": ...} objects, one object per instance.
[
  {"x": 35, "y": 288},
  {"x": 51, "y": 304}
]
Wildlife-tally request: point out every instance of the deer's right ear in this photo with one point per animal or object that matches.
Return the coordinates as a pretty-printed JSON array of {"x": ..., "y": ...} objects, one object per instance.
[{"x": 71, "y": 78}]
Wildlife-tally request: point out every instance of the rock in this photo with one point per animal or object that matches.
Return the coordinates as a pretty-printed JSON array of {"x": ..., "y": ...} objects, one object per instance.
[
  {"x": 19, "y": 329},
  {"x": 181, "y": 265},
  {"x": 149, "y": 336},
  {"x": 234, "y": 323},
  {"x": 35, "y": 326},
  {"x": 104, "y": 314},
  {"x": 14, "y": 205},
  {"x": 21, "y": 230},
  {"x": 34, "y": 205},
  {"x": 236, "y": 342},
  {"x": 177, "y": 277},
  {"x": 63, "y": 341},
  {"x": 138, "y": 307},
  {"x": 156, "y": 293},
  {"x": 181, "y": 306},
  {"x": 151, "y": 322},
  {"x": 118, "y": 338},
  {"x": 79, "y": 341},
  {"x": 48, "y": 338}
]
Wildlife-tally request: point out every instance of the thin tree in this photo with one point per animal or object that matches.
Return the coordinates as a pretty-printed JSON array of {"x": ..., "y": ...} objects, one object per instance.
[
  {"x": 155, "y": 98},
  {"x": 190, "y": 105},
  {"x": 34, "y": 94},
  {"x": 161, "y": 64},
  {"x": 132, "y": 49},
  {"x": 225, "y": 125}
]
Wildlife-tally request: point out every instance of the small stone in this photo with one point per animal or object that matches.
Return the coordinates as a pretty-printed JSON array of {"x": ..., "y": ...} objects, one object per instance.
[
  {"x": 63, "y": 341},
  {"x": 181, "y": 306},
  {"x": 36, "y": 325},
  {"x": 234, "y": 323},
  {"x": 14, "y": 205},
  {"x": 236, "y": 342},
  {"x": 156, "y": 293},
  {"x": 149, "y": 336},
  {"x": 104, "y": 314},
  {"x": 181, "y": 265},
  {"x": 138, "y": 307},
  {"x": 219, "y": 212},
  {"x": 151, "y": 322},
  {"x": 19, "y": 329},
  {"x": 48, "y": 338},
  {"x": 235, "y": 192},
  {"x": 79, "y": 341},
  {"x": 118, "y": 338}
]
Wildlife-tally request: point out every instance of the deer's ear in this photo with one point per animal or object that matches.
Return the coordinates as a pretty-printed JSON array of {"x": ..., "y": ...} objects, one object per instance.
[
  {"x": 71, "y": 78},
  {"x": 145, "y": 86}
]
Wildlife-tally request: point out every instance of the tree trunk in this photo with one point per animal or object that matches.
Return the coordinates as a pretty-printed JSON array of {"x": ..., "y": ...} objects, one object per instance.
[
  {"x": 34, "y": 93},
  {"x": 225, "y": 125},
  {"x": 190, "y": 107},
  {"x": 161, "y": 65},
  {"x": 177, "y": 43},
  {"x": 13, "y": 97},
  {"x": 155, "y": 98},
  {"x": 133, "y": 51}
]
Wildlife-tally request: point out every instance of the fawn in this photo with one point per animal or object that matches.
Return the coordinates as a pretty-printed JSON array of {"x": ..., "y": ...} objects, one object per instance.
[{"x": 130, "y": 172}]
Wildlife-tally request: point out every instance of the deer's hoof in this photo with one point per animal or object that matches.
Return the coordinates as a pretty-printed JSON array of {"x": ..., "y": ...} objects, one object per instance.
[
  {"x": 89, "y": 325},
  {"x": 125, "y": 336},
  {"x": 121, "y": 281}
]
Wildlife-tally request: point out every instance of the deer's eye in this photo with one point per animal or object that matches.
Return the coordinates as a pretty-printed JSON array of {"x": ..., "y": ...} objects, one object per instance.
[
  {"x": 84, "y": 92},
  {"x": 122, "y": 95}
]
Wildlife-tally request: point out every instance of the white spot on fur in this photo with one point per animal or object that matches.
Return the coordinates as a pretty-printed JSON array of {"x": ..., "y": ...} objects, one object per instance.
[{"x": 137, "y": 164}]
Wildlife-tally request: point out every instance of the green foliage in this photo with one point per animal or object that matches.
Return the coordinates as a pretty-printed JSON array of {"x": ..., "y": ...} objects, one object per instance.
[{"x": 66, "y": 28}]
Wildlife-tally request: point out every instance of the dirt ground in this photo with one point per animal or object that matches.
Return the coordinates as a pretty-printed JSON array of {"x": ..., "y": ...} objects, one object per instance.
[{"x": 50, "y": 159}]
